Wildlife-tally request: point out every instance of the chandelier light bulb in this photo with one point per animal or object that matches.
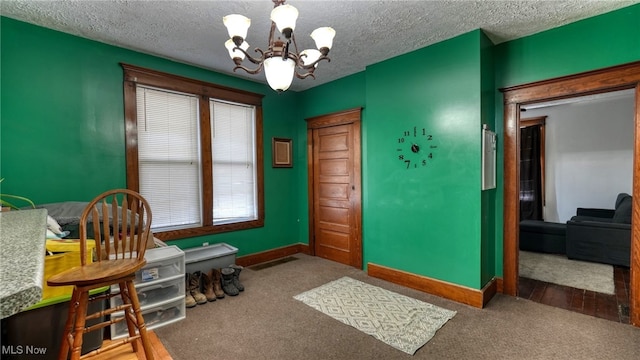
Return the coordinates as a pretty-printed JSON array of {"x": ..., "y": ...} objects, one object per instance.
[
  {"x": 279, "y": 72},
  {"x": 237, "y": 26},
  {"x": 324, "y": 38},
  {"x": 285, "y": 17}
]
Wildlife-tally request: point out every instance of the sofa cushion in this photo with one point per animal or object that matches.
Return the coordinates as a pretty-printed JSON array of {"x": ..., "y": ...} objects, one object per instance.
[
  {"x": 591, "y": 218},
  {"x": 623, "y": 209}
]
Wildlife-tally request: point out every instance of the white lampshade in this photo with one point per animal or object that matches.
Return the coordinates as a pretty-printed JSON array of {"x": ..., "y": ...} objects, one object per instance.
[
  {"x": 237, "y": 25},
  {"x": 323, "y": 37},
  {"x": 230, "y": 45},
  {"x": 279, "y": 72},
  {"x": 284, "y": 16},
  {"x": 312, "y": 55}
]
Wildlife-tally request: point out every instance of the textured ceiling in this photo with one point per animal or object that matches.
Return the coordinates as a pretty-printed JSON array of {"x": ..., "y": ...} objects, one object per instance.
[{"x": 367, "y": 32}]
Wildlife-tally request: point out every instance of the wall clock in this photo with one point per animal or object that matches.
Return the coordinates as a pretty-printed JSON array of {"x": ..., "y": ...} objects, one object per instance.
[{"x": 416, "y": 148}]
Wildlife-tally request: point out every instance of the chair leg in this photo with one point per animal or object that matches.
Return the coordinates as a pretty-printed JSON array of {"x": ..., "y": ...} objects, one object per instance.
[
  {"x": 68, "y": 325},
  {"x": 142, "y": 328},
  {"x": 81, "y": 315},
  {"x": 131, "y": 327}
]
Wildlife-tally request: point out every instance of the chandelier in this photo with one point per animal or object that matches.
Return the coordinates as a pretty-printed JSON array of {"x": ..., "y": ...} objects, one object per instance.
[{"x": 280, "y": 61}]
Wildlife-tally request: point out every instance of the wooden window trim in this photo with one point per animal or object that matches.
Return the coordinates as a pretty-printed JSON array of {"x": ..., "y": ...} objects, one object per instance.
[{"x": 134, "y": 75}]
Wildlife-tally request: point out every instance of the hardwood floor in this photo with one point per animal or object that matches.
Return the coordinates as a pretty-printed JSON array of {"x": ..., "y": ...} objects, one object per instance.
[{"x": 610, "y": 307}]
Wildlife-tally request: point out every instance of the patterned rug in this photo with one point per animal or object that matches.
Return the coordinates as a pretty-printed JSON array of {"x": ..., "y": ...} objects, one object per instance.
[{"x": 397, "y": 320}]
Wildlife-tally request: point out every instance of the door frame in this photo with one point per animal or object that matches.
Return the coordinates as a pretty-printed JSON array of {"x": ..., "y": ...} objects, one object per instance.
[
  {"x": 622, "y": 77},
  {"x": 346, "y": 117}
]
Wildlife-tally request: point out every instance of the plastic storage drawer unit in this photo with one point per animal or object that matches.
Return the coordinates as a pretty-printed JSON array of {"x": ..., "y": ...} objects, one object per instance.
[{"x": 160, "y": 286}]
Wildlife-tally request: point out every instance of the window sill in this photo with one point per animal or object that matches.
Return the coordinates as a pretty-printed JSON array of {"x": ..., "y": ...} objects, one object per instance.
[{"x": 208, "y": 230}]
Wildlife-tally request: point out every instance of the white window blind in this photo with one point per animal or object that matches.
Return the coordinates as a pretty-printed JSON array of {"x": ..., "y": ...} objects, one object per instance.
[
  {"x": 168, "y": 155},
  {"x": 234, "y": 162}
]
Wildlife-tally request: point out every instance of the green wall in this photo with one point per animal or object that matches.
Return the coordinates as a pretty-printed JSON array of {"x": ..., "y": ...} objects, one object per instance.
[
  {"x": 62, "y": 134},
  {"x": 488, "y": 197},
  {"x": 425, "y": 220}
]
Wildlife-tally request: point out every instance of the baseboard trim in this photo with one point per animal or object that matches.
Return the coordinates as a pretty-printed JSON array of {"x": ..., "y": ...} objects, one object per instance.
[
  {"x": 273, "y": 254},
  {"x": 455, "y": 292},
  {"x": 500, "y": 285}
]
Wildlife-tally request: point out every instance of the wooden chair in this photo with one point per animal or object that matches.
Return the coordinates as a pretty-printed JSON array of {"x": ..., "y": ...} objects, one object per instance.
[{"x": 121, "y": 222}]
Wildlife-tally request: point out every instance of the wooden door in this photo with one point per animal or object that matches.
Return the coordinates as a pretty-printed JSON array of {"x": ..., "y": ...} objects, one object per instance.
[{"x": 335, "y": 187}]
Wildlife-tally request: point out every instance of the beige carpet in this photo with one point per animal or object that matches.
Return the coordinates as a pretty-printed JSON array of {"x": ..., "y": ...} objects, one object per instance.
[
  {"x": 557, "y": 269},
  {"x": 397, "y": 320}
]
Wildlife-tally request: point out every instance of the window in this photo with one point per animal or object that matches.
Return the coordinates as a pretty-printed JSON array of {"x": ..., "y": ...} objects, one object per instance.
[{"x": 194, "y": 151}]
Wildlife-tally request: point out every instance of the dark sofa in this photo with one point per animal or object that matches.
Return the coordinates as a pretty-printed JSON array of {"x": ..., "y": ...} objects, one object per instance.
[
  {"x": 543, "y": 237},
  {"x": 601, "y": 235}
]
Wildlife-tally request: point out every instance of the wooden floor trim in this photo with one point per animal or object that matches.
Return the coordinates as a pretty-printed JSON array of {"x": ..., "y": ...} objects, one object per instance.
[
  {"x": 273, "y": 254},
  {"x": 458, "y": 293}
]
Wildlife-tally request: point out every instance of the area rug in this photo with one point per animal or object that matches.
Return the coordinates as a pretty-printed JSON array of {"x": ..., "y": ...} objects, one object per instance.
[
  {"x": 559, "y": 270},
  {"x": 397, "y": 320}
]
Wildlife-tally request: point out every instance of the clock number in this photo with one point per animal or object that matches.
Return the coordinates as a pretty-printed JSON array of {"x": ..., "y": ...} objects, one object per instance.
[
  {"x": 407, "y": 133},
  {"x": 401, "y": 157},
  {"x": 430, "y": 156},
  {"x": 400, "y": 140},
  {"x": 408, "y": 163},
  {"x": 429, "y": 137},
  {"x": 424, "y": 162}
]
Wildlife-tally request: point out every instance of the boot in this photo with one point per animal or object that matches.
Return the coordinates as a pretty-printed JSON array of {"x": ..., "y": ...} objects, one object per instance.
[
  {"x": 189, "y": 301},
  {"x": 194, "y": 288},
  {"x": 227, "y": 282},
  {"x": 216, "y": 279},
  {"x": 236, "y": 276},
  {"x": 207, "y": 287}
]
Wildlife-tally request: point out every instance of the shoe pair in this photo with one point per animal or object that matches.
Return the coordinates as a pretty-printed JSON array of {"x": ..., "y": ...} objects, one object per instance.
[
  {"x": 193, "y": 295},
  {"x": 231, "y": 280}
]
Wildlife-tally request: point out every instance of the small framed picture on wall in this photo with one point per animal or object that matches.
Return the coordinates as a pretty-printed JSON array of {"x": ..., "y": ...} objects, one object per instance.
[{"x": 281, "y": 152}]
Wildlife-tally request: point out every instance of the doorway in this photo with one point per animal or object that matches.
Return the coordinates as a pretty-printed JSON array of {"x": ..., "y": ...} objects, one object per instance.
[
  {"x": 335, "y": 215},
  {"x": 600, "y": 81}
]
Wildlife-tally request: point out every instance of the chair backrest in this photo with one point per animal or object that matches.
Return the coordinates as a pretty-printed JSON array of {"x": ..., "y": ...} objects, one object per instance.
[{"x": 121, "y": 223}]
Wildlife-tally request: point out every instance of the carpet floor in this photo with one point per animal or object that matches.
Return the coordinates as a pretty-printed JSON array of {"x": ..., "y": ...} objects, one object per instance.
[{"x": 266, "y": 322}]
